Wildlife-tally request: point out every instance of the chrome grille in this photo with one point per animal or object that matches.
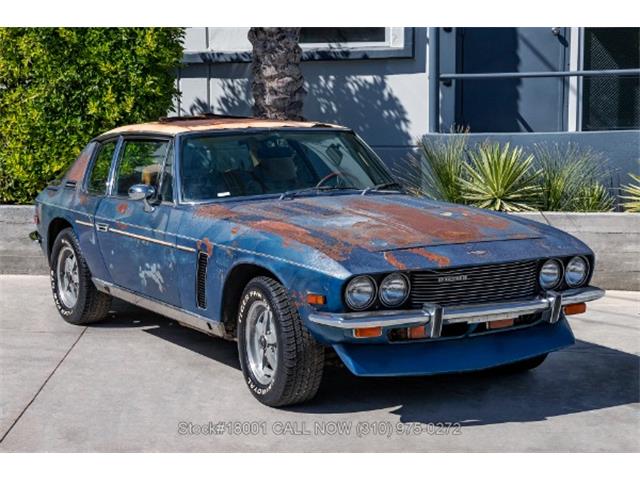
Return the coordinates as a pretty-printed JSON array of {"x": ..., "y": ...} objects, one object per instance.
[{"x": 479, "y": 284}]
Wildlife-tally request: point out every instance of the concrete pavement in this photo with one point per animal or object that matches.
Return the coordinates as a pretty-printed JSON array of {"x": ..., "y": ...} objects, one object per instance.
[{"x": 140, "y": 382}]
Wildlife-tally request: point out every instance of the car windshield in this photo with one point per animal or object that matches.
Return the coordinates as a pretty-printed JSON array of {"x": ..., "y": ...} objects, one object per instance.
[{"x": 276, "y": 162}]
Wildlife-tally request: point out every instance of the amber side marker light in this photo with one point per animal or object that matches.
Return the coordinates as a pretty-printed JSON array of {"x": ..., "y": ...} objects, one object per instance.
[
  {"x": 575, "y": 309},
  {"x": 417, "y": 332},
  {"x": 500, "y": 324},
  {"x": 368, "y": 332},
  {"x": 316, "y": 299}
]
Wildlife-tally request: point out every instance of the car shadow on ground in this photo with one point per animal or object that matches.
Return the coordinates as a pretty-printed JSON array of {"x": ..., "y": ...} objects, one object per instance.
[{"x": 581, "y": 378}]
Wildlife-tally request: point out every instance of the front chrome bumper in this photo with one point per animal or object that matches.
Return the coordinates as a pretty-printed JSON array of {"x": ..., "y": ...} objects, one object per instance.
[{"x": 435, "y": 316}]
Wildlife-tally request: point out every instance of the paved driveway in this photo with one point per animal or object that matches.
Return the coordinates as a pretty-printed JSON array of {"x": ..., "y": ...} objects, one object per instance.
[{"x": 140, "y": 382}]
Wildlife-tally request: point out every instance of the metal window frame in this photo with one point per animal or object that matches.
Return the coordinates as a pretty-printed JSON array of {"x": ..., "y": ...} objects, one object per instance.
[
  {"x": 437, "y": 78},
  {"x": 322, "y": 52}
]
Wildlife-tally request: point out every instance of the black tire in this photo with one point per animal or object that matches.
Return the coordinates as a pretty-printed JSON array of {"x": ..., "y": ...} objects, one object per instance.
[
  {"x": 522, "y": 365},
  {"x": 300, "y": 359},
  {"x": 91, "y": 305}
]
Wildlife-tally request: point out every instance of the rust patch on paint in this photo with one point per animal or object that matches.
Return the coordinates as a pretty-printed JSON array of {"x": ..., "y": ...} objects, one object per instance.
[
  {"x": 336, "y": 250},
  {"x": 403, "y": 224},
  {"x": 206, "y": 243},
  {"x": 441, "y": 260},
  {"x": 234, "y": 230},
  {"x": 219, "y": 212},
  {"x": 392, "y": 260},
  {"x": 122, "y": 208}
]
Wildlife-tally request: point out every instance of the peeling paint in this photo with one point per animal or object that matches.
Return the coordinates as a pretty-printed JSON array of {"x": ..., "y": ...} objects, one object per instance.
[
  {"x": 391, "y": 258},
  {"x": 441, "y": 260},
  {"x": 206, "y": 243},
  {"x": 151, "y": 272}
]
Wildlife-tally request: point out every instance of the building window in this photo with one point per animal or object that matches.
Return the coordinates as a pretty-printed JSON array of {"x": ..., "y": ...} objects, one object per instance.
[
  {"x": 342, "y": 36},
  {"x": 611, "y": 103}
]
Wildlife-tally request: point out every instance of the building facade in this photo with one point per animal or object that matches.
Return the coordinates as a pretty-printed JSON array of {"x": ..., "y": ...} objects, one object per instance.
[{"x": 394, "y": 85}]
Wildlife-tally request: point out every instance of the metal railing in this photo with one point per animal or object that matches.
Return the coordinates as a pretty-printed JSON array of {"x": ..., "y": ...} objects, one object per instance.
[{"x": 436, "y": 78}]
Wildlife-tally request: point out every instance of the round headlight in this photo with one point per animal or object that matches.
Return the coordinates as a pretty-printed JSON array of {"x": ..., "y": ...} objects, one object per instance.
[
  {"x": 394, "y": 289},
  {"x": 577, "y": 271},
  {"x": 360, "y": 292},
  {"x": 550, "y": 274}
]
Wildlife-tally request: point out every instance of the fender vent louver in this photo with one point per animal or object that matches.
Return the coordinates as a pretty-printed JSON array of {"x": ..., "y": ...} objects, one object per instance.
[{"x": 201, "y": 280}]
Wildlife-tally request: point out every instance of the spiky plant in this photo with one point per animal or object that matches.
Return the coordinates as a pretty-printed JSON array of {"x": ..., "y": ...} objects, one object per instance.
[
  {"x": 437, "y": 169},
  {"x": 501, "y": 178},
  {"x": 570, "y": 179},
  {"x": 592, "y": 197},
  {"x": 632, "y": 191}
]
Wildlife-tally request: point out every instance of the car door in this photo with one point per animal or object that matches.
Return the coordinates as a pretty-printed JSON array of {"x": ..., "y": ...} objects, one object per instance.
[
  {"x": 138, "y": 237},
  {"x": 89, "y": 195}
]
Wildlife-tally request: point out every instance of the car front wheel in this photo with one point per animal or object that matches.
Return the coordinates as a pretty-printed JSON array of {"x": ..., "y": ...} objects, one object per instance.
[
  {"x": 76, "y": 298},
  {"x": 282, "y": 364}
]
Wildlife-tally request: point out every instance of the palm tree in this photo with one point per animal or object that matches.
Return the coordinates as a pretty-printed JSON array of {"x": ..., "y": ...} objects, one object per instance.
[{"x": 278, "y": 85}]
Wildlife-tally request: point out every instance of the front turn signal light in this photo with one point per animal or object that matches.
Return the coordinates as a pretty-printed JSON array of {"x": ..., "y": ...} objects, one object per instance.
[
  {"x": 368, "y": 332},
  {"x": 575, "y": 309}
]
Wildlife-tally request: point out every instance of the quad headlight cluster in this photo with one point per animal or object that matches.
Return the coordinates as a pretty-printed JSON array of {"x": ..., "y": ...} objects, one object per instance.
[
  {"x": 362, "y": 291},
  {"x": 575, "y": 273}
]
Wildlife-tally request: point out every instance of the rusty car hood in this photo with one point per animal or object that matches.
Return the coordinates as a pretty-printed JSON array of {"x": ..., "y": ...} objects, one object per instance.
[{"x": 337, "y": 224}]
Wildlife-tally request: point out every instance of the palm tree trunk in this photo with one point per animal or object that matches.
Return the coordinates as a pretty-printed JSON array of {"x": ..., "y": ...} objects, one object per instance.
[{"x": 278, "y": 84}]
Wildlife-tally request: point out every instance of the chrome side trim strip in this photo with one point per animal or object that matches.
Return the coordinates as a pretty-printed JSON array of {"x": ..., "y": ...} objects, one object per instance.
[
  {"x": 484, "y": 312},
  {"x": 152, "y": 240},
  {"x": 184, "y": 317},
  {"x": 86, "y": 224},
  {"x": 141, "y": 237}
]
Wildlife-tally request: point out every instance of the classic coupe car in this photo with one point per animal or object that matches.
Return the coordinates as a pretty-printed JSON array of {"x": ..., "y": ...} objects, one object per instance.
[{"x": 294, "y": 239}]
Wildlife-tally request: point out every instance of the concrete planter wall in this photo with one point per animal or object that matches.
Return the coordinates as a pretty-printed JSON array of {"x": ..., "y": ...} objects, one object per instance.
[
  {"x": 18, "y": 254},
  {"x": 615, "y": 238}
]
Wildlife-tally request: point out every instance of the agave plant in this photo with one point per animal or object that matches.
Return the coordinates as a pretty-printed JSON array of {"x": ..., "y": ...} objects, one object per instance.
[
  {"x": 632, "y": 191},
  {"x": 436, "y": 171},
  {"x": 501, "y": 178},
  {"x": 570, "y": 179}
]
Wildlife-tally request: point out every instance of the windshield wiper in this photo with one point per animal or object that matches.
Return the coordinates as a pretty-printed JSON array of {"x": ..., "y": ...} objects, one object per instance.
[
  {"x": 384, "y": 186},
  {"x": 322, "y": 188}
]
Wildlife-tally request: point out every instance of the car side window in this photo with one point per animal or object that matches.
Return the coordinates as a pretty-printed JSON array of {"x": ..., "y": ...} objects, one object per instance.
[
  {"x": 141, "y": 162},
  {"x": 97, "y": 184},
  {"x": 166, "y": 183}
]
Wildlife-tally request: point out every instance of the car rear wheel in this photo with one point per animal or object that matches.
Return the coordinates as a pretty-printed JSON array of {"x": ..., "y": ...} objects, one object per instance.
[
  {"x": 76, "y": 298},
  {"x": 282, "y": 364}
]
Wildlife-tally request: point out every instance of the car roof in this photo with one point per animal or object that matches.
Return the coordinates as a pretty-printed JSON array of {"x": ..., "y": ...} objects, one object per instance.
[{"x": 175, "y": 125}]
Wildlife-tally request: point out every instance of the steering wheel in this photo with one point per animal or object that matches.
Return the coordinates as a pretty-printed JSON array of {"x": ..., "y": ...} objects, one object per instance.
[
  {"x": 326, "y": 178},
  {"x": 331, "y": 175}
]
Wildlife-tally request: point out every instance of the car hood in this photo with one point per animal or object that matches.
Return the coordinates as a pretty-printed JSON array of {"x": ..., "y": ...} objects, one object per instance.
[{"x": 337, "y": 224}]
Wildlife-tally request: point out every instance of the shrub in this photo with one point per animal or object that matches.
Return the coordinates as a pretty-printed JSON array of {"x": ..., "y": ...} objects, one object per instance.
[
  {"x": 570, "y": 179},
  {"x": 632, "y": 195},
  {"x": 59, "y": 87},
  {"x": 436, "y": 170},
  {"x": 501, "y": 178}
]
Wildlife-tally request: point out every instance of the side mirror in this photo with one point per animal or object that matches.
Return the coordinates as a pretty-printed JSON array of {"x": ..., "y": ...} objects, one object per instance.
[{"x": 141, "y": 191}]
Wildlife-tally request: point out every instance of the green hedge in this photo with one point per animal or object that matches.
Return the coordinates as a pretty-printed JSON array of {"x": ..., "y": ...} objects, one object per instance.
[{"x": 59, "y": 87}]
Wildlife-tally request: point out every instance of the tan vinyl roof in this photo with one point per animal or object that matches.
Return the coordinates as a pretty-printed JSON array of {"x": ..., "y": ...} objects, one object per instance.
[{"x": 173, "y": 127}]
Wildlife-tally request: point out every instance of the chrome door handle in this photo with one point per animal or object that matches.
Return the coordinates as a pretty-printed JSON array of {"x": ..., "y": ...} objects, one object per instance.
[{"x": 102, "y": 227}]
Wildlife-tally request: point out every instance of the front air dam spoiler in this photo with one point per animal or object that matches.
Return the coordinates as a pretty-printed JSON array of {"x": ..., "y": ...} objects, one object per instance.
[{"x": 455, "y": 355}]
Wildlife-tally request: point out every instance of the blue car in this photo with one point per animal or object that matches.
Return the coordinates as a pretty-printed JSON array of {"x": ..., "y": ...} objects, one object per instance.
[{"x": 294, "y": 239}]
